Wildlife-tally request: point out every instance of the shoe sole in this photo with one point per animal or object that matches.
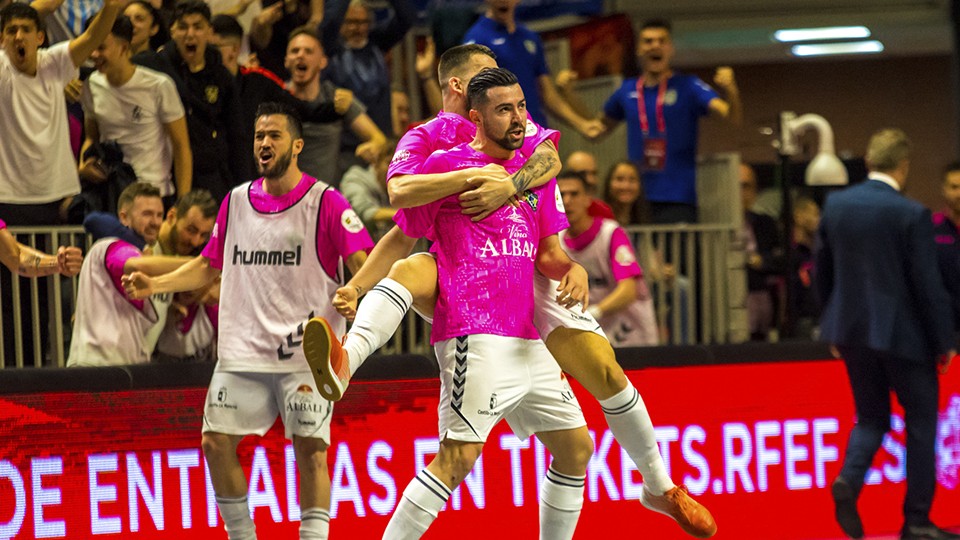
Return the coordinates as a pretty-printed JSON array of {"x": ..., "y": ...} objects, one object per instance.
[
  {"x": 317, "y": 337},
  {"x": 696, "y": 533},
  {"x": 846, "y": 510}
]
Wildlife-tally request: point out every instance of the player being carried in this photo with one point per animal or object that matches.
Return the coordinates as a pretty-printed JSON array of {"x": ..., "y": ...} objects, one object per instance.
[
  {"x": 574, "y": 338},
  {"x": 483, "y": 332}
]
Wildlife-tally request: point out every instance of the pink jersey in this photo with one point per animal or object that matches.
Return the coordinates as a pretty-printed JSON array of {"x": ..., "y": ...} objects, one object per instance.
[
  {"x": 341, "y": 223},
  {"x": 485, "y": 269},
  {"x": 621, "y": 257},
  {"x": 3, "y": 224},
  {"x": 118, "y": 253},
  {"x": 444, "y": 132}
]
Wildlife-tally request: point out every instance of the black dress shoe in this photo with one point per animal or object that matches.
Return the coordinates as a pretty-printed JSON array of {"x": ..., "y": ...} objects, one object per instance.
[
  {"x": 845, "y": 508},
  {"x": 927, "y": 532}
]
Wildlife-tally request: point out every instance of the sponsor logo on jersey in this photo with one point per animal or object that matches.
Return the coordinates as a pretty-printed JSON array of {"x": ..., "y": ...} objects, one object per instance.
[
  {"x": 508, "y": 247},
  {"x": 259, "y": 257},
  {"x": 624, "y": 255},
  {"x": 351, "y": 221},
  {"x": 532, "y": 199},
  {"x": 531, "y": 129},
  {"x": 530, "y": 46},
  {"x": 401, "y": 155}
]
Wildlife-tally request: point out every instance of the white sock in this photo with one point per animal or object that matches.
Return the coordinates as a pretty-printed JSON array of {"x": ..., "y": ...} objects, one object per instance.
[
  {"x": 314, "y": 524},
  {"x": 378, "y": 316},
  {"x": 422, "y": 500},
  {"x": 630, "y": 423},
  {"x": 561, "y": 498},
  {"x": 236, "y": 518}
]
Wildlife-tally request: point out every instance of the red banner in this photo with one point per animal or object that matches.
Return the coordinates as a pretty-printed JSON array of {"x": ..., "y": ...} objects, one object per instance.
[{"x": 757, "y": 443}]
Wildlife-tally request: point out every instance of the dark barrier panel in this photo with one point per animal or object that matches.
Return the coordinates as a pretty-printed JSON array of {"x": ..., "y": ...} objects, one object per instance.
[
  {"x": 30, "y": 380},
  {"x": 394, "y": 367}
]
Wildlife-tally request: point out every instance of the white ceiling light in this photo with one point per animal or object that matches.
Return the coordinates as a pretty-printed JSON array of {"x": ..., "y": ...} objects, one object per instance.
[
  {"x": 857, "y": 47},
  {"x": 816, "y": 34}
]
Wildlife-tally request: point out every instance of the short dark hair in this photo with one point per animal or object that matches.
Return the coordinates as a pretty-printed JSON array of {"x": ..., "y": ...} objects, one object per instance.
[
  {"x": 227, "y": 26},
  {"x": 200, "y": 198},
  {"x": 953, "y": 166},
  {"x": 134, "y": 190},
  {"x": 657, "y": 23},
  {"x": 122, "y": 28},
  {"x": 485, "y": 80},
  {"x": 453, "y": 60},
  {"x": 305, "y": 30},
  {"x": 570, "y": 174},
  {"x": 191, "y": 7},
  {"x": 270, "y": 108},
  {"x": 19, "y": 10}
]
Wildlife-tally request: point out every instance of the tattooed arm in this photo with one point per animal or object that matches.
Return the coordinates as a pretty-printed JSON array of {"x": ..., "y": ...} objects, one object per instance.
[{"x": 488, "y": 195}]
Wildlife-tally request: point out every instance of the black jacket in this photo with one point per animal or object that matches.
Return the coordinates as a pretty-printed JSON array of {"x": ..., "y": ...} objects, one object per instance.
[{"x": 211, "y": 101}]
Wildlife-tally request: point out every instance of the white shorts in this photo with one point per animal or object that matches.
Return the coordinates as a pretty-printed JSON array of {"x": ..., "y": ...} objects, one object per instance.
[
  {"x": 548, "y": 315},
  {"x": 244, "y": 403},
  {"x": 486, "y": 378}
]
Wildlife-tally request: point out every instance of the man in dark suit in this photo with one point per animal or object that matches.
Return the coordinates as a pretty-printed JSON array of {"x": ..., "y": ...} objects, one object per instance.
[{"x": 888, "y": 314}]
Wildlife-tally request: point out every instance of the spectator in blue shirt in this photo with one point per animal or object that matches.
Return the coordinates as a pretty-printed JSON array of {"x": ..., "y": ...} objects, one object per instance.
[
  {"x": 520, "y": 50},
  {"x": 662, "y": 135}
]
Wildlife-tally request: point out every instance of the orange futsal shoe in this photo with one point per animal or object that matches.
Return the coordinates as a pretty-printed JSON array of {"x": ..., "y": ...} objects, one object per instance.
[
  {"x": 326, "y": 358},
  {"x": 692, "y": 516}
]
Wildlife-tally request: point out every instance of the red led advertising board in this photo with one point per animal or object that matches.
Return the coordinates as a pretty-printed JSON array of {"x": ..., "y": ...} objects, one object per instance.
[{"x": 757, "y": 443}]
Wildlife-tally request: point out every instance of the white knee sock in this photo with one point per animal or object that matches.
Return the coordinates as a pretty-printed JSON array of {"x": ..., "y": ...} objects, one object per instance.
[
  {"x": 561, "y": 498},
  {"x": 422, "y": 500},
  {"x": 378, "y": 316},
  {"x": 236, "y": 518},
  {"x": 314, "y": 524},
  {"x": 630, "y": 423}
]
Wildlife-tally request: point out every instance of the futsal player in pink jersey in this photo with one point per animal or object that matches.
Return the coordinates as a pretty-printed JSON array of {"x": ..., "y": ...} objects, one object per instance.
[
  {"x": 493, "y": 365},
  {"x": 619, "y": 298},
  {"x": 111, "y": 328},
  {"x": 574, "y": 338},
  {"x": 279, "y": 244},
  {"x": 25, "y": 261}
]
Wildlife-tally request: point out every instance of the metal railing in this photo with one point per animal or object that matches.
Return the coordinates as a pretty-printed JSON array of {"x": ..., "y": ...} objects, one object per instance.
[
  {"x": 36, "y": 312},
  {"x": 700, "y": 302}
]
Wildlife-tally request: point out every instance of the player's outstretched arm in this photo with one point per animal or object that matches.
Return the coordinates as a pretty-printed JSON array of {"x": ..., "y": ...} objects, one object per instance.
[
  {"x": 83, "y": 45},
  {"x": 394, "y": 246},
  {"x": 196, "y": 273},
  {"x": 488, "y": 194},
  {"x": 28, "y": 262},
  {"x": 554, "y": 263}
]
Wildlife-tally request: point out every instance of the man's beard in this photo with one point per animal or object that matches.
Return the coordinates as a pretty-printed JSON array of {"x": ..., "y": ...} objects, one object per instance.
[
  {"x": 280, "y": 165},
  {"x": 506, "y": 142}
]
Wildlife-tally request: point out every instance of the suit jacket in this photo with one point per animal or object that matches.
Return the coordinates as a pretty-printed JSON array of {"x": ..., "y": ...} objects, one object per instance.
[
  {"x": 767, "y": 235},
  {"x": 876, "y": 275}
]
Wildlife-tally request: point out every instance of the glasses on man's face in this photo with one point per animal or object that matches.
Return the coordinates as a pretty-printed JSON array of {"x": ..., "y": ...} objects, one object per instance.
[{"x": 357, "y": 22}]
